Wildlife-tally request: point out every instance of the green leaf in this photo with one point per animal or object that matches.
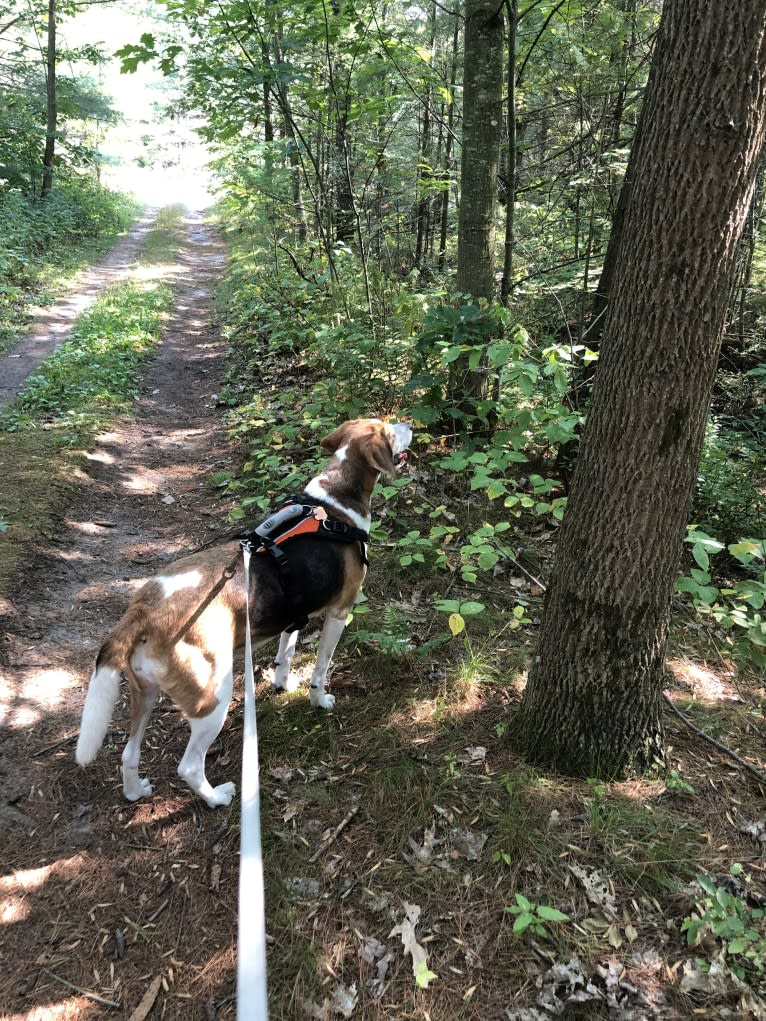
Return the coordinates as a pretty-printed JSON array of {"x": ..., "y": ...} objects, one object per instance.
[
  {"x": 700, "y": 555},
  {"x": 549, "y": 914},
  {"x": 470, "y": 608},
  {"x": 423, "y": 976}
]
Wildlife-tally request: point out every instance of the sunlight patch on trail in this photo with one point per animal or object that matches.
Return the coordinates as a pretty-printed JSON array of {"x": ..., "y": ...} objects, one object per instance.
[
  {"x": 704, "y": 682},
  {"x": 42, "y": 691}
]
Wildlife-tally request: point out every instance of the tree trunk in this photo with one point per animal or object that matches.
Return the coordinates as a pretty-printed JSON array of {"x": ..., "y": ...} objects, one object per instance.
[
  {"x": 448, "y": 170},
  {"x": 482, "y": 113},
  {"x": 593, "y": 704},
  {"x": 51, "y": 112},
  {"x": 425, "y": 167},
  {"x": 506, "y": 286}
]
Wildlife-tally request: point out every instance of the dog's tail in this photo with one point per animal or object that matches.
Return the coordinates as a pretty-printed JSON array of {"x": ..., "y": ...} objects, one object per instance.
[{"x": 104, "y": 685}]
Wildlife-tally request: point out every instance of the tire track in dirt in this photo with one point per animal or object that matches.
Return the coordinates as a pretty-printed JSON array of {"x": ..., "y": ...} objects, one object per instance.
[{"x": 79, "y": 863}]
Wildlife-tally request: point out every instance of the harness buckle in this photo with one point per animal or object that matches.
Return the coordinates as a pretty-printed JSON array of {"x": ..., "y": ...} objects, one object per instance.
[{"x": 334, "y": 525}]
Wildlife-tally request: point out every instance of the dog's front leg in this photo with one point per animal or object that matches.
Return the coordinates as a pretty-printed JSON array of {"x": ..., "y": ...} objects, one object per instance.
[
  {"x": 282, "y": 680},
  {"x": 333, "y": 628}
]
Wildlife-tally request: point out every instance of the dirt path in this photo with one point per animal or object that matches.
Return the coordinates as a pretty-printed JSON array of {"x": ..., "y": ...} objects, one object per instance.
[
  {"x": 99, "y": 899},
  {"x": 52, "y": 326}
]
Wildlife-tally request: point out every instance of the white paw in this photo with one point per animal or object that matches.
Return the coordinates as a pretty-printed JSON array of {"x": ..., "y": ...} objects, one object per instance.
[
  {"x": 320, "y": 699},
  {"x": 135, "y": 790},
  {"x": 221, "y": 795}
]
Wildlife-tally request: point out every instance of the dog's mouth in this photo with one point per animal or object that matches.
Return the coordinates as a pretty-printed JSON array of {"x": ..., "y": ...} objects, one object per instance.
[{"x": 400, "y": 459}]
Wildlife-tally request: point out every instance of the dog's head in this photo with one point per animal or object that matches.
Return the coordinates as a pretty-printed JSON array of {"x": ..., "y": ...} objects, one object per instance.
[{"x": 382, "y": 445}]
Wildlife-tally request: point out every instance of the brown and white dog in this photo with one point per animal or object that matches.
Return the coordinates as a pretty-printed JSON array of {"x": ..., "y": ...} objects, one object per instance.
[{"x": 180, "y": 630}]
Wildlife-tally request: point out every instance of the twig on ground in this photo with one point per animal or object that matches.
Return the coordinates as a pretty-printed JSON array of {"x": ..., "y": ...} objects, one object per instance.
[
  {"x": 757, "y": 773},
  {"x": 334, "y": 835},
  {"x": 54, "y": 746},
  {"x": 81, "y": 991},
  {"x": 147, "y": 1001}
]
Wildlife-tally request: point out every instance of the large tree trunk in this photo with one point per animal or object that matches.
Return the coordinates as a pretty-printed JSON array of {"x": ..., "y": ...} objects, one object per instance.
[{"x": 592, "y": 706}]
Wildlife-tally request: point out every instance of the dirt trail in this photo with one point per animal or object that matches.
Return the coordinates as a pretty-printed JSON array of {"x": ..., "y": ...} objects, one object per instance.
[
  {"x": 99, "y": 898},
  {"x": 53, "y": 325}
]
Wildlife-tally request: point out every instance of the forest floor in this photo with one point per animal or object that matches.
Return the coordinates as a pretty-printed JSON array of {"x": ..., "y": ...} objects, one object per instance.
[{"x": 397, "y": 829}]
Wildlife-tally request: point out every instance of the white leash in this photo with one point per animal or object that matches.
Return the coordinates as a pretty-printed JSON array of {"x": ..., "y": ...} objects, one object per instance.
[{"x": 252, "y": 1001}]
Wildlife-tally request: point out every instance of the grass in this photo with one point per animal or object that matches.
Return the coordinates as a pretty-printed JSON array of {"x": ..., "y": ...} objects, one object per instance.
[
  {"x": 452, "y": 821},
  {"x": 88, "y": 379},
  {"x": 46, "y": 248}
]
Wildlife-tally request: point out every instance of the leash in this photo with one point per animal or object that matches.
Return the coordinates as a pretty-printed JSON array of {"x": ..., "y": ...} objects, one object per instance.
[{"x": 252, "y": 1001}]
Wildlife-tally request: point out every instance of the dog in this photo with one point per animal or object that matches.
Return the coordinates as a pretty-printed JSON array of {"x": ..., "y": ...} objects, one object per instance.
[{"x": 180, "y": 630}]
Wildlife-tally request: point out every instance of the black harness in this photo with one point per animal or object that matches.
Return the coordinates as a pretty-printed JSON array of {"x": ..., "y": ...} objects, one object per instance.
[{"x": 299, "y": 517}]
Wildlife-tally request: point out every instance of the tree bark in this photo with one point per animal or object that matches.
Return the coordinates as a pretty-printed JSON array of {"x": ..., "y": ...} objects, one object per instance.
[
  {"x": 506, "y": 285},
  {"x": 482, "y": 112},
  {"x": 51, "y": 112},
  {"x": 592, "y": 706}
]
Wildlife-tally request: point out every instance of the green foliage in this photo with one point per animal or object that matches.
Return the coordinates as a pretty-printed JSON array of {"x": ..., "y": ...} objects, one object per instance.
[
  {"x": 735, "y": 603},
  {"x": 41, "y": 239},
  {"x": 531, "y": 917},
  {"x": 729, "y": 499},
  {"x": 93, "y": 373},
  {"x": 83, "y": 109},
  {"x": 394, "y": 637},
  {"x": 676, "y": 783},
  {"x": 732, "y": 923}
]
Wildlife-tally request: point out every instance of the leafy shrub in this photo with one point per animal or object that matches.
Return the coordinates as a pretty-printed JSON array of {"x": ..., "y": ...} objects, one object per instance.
[
  {"x": 731, "y": 921},
  {"x": 729, "y": 498},
  {"x": 736, "y": 605}
]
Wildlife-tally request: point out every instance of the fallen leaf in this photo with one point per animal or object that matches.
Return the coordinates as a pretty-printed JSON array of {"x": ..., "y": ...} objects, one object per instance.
[{"x": 406, "y": 930}]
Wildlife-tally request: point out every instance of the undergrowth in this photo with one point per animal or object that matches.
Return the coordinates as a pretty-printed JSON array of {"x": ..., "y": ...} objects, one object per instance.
[
  {"x": 502, "y": 863},
  {"x": 46, "y": 241}
]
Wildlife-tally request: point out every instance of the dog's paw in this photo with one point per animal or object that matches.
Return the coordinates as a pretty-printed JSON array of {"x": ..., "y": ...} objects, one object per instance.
[
  {"x": 135, "y": 790},
  {"x": 320, "y": 699},
  {"x": 221, "y": 795}
]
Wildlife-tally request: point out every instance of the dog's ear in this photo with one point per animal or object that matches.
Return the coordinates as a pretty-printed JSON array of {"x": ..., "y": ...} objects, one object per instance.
[
  {"x": 335, "y": 439},
  {"x": 378, "y": 452}
]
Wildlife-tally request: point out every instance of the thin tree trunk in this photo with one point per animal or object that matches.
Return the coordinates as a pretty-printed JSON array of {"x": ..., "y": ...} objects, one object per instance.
[
  {"x": 425, "y": 168},
  {"x": 448, "y": 168},
  {"x": 506, "y": 285},
  {"x": 482, "y": 109},
  {"x": 51, "y": 123},
  {"x": 482, "y": 113}
]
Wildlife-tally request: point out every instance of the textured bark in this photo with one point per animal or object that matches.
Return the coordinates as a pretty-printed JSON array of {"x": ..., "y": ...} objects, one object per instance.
[
  {"x": 593, "y": 701},
  {"x": 482, "y": 114},
  {"x": 482, "y": 111},
  {"x": 51, "y": 120},
  {"x": 506, "y": 285}
]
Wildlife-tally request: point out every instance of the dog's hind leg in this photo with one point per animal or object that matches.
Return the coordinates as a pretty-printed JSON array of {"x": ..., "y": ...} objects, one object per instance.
[
  {"x": 282, "y": 680},
  {"x": 143, "y": 695},
  {"x": 334, "y": 623},
  {"x": 204, "y": 730}
]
